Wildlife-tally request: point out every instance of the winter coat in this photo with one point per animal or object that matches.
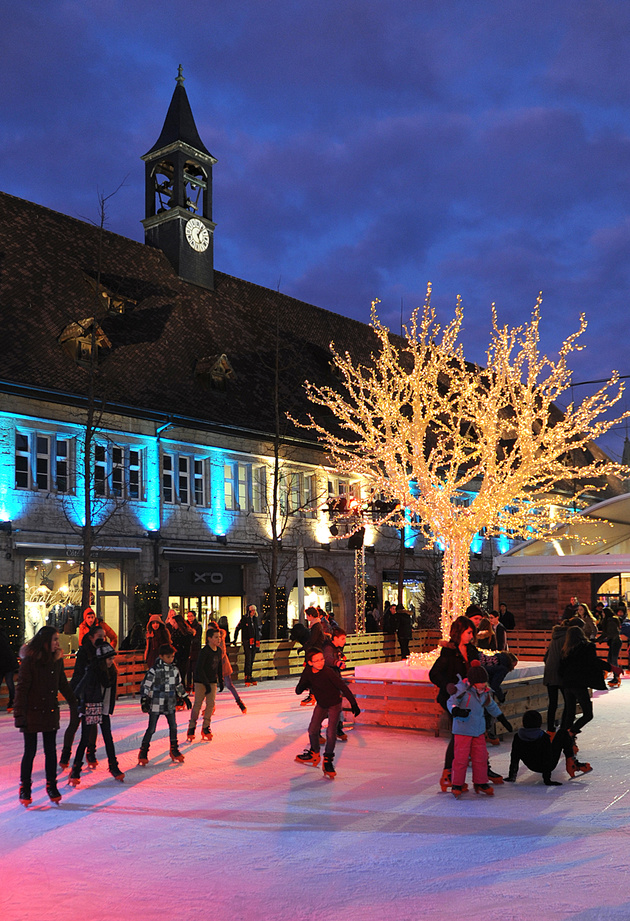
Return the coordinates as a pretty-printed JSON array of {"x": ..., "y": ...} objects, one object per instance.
[
  {"x": 36, "y": 704},
  {"x": 159, "y": 637},
  {"x": 582, "y": 669},
  {"x": 162, "y": 684},
  {"x": 249, "y": 630},
  {"x": 551, "y": 675},
  {"x": 94, "y": 681},
  {"x": 403, "y": 625},
  {"x": 209, "y": 668},
  {"x": 449, "y": 666},
  {"x": 469, "y": 697}
]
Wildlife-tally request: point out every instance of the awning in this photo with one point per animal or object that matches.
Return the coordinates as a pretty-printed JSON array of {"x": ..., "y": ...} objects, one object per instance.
[
  {"x": 63, "y": 551},
  {"x": 216, "y": 556}
]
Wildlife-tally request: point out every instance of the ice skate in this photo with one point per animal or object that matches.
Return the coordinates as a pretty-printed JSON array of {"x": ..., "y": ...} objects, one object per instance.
[
  {"x": 342, "y": 737},
  {"x": 577, "y": 767},
  {"x": 308, "y": 701},
  {"x": 445, "y": 780},
  {"x": 176, "y": 755},
  {"x": 53, "y": 792},
  {"x": 143, "y": 758},
  {"x": 484, "y": 788},
  {"x": 63, "y": 766},
  {"x": 308, "y": 756},
  {"x": 615, "y": 682},
  {"x": 25, "y": 795},
  {"x": 494, "y": 778},
  {"x": 117, "y": 774},
  {"x": 206, "y": 735},
  {"x": 74, "y": 780},
  {"x": 457, "y": 790},
  {"x": 242, "y": 706},
  {"x": 92, "y": 762},
  {"x": 328, "y": 767},
  {"x": 190, "y": 735}
]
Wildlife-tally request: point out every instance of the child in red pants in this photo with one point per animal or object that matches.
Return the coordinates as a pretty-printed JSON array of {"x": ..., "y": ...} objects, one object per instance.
[{"x": 471, "y": 697}]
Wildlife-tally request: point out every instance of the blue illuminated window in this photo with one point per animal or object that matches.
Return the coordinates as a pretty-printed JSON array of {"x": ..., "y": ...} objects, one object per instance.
[
  {"x": 117, "y": 471},
  {"x": 184, "y": 479},
  {"x": 42, "y": 462}
]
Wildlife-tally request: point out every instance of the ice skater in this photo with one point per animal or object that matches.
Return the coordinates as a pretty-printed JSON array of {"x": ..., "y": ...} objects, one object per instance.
[
  {"x": 328, "y": 688},
  {"x": 208, "y": 674},
  {"x": 470, "y": 700},
  {"x": 40, "y": 680},
  {"x": 541, "y": 751},
  {"x": 96, "y": 693},
  {"x": 160, "y": 688}
]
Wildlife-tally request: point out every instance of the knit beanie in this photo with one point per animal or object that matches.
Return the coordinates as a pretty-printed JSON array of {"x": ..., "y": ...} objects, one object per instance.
[
  {"x": 532, "y": 719},
  {"x": 104, "y": 651},
  {"x": 477, "y": 673}
]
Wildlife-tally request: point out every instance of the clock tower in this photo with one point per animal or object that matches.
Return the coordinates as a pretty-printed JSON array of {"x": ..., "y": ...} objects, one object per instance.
[{"x": 178, "y": 186}]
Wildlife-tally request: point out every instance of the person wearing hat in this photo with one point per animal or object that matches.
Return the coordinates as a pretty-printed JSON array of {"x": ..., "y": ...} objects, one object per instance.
[
  {"x": 540, "y": 751},
  {"x": 157, "y": 635},
  {"x": 469, "y": 701},
  {"x": 95, "y": 690}
]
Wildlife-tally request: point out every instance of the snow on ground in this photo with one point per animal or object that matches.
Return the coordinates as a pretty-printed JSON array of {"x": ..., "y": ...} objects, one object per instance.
[{"x": 241, "y": 832}]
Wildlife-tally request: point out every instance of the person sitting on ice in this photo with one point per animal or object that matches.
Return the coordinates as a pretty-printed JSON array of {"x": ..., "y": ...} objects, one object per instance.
[
  {"x": 469, "y": 701},
  {"x": 540, "y": 751}
]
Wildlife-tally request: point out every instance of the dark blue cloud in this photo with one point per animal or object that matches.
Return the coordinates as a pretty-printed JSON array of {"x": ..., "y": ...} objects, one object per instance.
[{"x": 363, "y": 148}]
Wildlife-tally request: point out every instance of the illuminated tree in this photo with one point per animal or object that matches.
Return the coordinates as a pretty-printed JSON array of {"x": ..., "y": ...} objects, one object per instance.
[{"x": 467, "y": 449}]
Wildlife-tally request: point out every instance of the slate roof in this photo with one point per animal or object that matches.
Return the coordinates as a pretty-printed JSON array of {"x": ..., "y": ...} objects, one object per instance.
[{"x": 47, "y": 265}]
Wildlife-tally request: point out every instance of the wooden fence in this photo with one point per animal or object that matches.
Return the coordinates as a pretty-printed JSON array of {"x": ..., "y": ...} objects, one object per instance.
[{"x": 284, "y": 659}]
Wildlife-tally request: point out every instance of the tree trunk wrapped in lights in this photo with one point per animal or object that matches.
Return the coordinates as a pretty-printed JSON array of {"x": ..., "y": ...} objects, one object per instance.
[{"x": 465, "y": 448}]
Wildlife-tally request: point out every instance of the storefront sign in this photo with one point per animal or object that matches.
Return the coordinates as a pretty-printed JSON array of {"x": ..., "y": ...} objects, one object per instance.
[{"x": 195, "y": 577}]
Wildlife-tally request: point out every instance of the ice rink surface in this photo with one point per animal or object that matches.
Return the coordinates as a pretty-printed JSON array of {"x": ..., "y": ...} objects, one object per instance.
[{"x": 240, "y": 832}]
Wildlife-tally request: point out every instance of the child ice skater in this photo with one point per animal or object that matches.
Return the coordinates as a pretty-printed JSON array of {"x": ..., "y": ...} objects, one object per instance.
[
  {"x": 328, "y": 688},
  {"x": 541, "y": 753},
  {"x": 160, "y": 688},
  {"x": 470, "y": 700},
  {"x": 208, "y": 674}
]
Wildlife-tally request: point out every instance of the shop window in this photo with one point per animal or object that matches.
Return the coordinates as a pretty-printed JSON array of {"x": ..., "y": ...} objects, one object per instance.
[
  {"x": 117, "y": 471},
  {"x": 42, "y": 462},
  {"x": 183, "y": 479}
]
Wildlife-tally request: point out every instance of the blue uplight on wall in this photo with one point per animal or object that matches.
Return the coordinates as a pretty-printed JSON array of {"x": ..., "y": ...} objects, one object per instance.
[
  {"x": 503, "y": 544},
  {"x": 219, "y": 519},
  {"x": 476, "y": 544},
  {"x": 148, "y": 512},
  {"x": 410, "y": 533}
]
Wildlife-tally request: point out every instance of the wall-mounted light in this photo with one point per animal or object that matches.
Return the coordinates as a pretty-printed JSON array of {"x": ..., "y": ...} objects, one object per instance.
[
  {"x": 325, "y": 546},
  {"x": 6, "y": 526},
  {"x": 222, "y": 539}
]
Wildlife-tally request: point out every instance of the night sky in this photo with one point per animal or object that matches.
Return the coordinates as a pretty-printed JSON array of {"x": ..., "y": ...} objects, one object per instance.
[{"x": 364, "y": 147}]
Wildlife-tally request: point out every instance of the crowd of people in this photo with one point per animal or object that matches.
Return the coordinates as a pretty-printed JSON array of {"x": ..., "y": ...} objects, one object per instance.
[{"x": 468, "y": 673}]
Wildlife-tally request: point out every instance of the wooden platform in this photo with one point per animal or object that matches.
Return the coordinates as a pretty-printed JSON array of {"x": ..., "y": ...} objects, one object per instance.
[{"x": 412, "y": 705}]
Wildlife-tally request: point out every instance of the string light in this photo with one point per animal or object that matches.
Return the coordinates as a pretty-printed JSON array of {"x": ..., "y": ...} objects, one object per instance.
[{"x": 422, "y": 425}]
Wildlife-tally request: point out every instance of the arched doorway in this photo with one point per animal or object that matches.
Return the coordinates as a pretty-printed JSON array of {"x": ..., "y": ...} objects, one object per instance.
[{"x": 320, "y": 588}]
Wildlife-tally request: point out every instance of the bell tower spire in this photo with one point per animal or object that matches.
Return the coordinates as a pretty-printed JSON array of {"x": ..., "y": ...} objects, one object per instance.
[{"x": 178, "y": 193}]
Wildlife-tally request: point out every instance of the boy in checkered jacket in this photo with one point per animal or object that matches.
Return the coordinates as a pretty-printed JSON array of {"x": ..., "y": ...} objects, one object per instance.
[{"x": 161, "y": 686}]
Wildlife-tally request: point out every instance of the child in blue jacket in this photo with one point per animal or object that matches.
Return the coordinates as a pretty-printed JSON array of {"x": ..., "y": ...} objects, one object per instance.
[{"x": 468, "y": 703}]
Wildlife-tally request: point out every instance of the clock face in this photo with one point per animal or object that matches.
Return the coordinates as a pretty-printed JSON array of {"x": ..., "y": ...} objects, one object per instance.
[{"x": 197, "y": 235}]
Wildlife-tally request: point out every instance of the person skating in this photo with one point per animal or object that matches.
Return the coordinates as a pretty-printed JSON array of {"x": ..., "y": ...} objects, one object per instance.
[
  {"x": 41, "y": 679},
  {"x": 469, "y": 701},
  {"x": 250, "y": 635},
  {"x": 96, "y": 693},
  {"x": 335, "y": 658},
  {"x": 541, "y": 753},
  {"x": 328, "y": 688},
  {"x": 580, "y": 670},
  {"x": 208, "y": 674},
  {"x": 226, "y": 667},
  {"x": 453, "y": 662},
  {"x": 160, "y": 688}
]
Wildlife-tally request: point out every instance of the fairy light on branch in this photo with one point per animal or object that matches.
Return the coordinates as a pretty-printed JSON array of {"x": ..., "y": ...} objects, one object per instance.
[{"x": 420, "y": 425}]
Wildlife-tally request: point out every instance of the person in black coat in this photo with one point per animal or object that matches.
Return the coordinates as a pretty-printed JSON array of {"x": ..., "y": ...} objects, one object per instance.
[
  {"x": 250, "y": 634},
  {"x": 403, "y": 630},
  {"x": 579, "y": 669}
]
